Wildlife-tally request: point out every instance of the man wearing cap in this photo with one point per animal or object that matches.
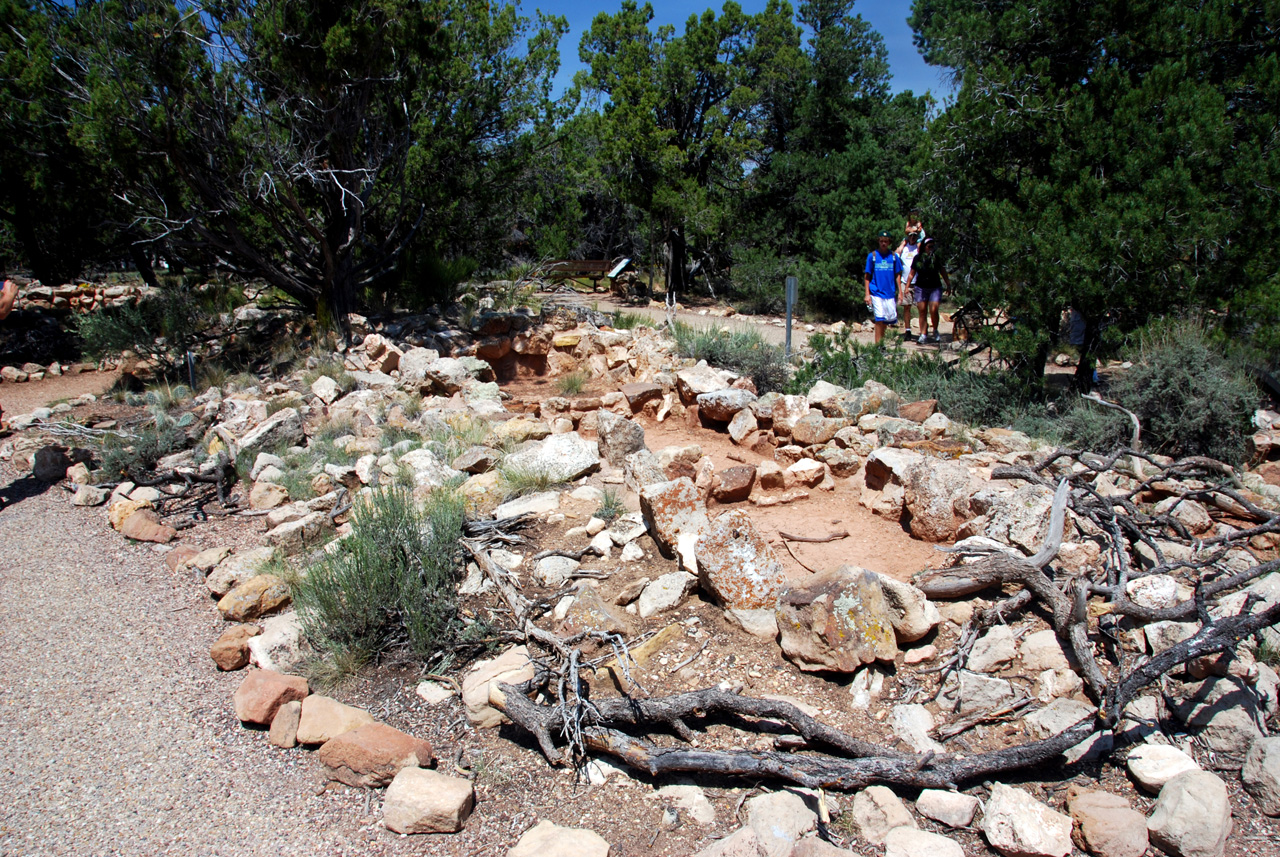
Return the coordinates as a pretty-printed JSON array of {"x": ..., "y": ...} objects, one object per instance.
[
  {"x": 925, "y": 280},
  {"x": 907, "y": 250},
  {"x": 882, "y": 279}
]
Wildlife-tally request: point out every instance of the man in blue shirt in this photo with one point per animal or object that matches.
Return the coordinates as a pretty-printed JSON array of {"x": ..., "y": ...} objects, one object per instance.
[{"x": 882, "y": 279}]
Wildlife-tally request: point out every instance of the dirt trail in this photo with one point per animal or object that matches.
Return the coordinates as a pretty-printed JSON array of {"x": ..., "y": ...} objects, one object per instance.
[
  {"x": 24, "y": 398},
  {"x": 116, "y": 734}
]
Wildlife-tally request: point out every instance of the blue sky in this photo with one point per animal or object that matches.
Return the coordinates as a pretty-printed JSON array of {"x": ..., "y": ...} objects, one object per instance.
[{"x": 889, "y": 17}]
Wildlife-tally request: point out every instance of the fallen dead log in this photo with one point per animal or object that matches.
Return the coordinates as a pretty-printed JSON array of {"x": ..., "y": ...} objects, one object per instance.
[{"x": 830, "y": 537}]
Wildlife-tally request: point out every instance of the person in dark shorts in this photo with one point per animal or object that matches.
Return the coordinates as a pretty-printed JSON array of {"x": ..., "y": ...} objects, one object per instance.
[{"x": 928, "y": 273}]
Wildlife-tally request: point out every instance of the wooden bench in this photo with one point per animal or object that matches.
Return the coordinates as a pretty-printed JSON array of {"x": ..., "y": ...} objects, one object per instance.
[{"x": 593, "y": 269}]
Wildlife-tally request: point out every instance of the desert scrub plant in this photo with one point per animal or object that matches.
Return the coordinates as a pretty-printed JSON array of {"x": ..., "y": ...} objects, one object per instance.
[
  {"x": 742, "y": 350},
  {"x": 453, "y": 435},
  {"x": 163, "y": 327},
  {"x": 391, "y": 586},
  {"x": 135, "y": 458},
  {"x": 516, "y": 481},
  {"x": 1190, "y": 398},
  {"x": 611, "y": 506},
  {"x": 630, "y": 320},
  {"x": 571, "y": 384},
  {"x": 330, "y": 368}
]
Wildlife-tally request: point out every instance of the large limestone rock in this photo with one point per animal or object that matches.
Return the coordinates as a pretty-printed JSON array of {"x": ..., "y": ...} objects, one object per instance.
[
  {"x": 778, "y": 820},
  {"x": 1223, "y": 710},
  {"x": 1192, "y": 816},
  {"x": 736, "y": 565},
  {"x": 876, "y": 811},
  {"x": 1019, "y": 518},
  {"x": 909, "y": 842},
  {"x": 262, "y": 692},
  {"x": 1105, "y": 824},
  {"x": 236, "y": 569},
  {"x": 546, "y": 839},
  {"x": 256, "y": 597},
  {"x": 665, "y": 593},
  {"x": 1153, "y": 765},
  {"x": 281, "y": 645},
  {"x": 993, "y": 650},
  {"x": 511, "y": 667},
  {"x": 640, "y": 469},
  {"x": 561, "y": 457},
  {"x": 324, "y": 719},
  {"x": 429, "y": 472},
  {"x": 423, "y": 801},
  {"x": 370, "y": 756},
  {"x": 937, "y": 496},
  {"x": 837, "y": 621},
  {"x": 672, "y": 508},
  {"x": 1018, "y": 825},
  {"x": 693, "y": 382},
  {"x": 281, "y": 429},
  {"x": 723, "y": 405},
  {"x": 953, "y": 809},
  {"x": 619, "y": 437},
  {"x": 1261, "y": 774},
  {"x": 413, "y": 368},
  {"x": 913, "y": 615}
]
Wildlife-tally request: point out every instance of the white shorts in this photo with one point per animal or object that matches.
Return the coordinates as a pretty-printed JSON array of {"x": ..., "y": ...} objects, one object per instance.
[{"x": 885, "y": 310}]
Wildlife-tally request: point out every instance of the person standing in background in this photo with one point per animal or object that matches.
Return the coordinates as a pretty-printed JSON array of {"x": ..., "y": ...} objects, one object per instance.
[
  {"x": 907, "y": 251},
  {"x": 8, "y": 294},
  {"x": 925, "y": 282},
  {"x": 881, "y": 281}
]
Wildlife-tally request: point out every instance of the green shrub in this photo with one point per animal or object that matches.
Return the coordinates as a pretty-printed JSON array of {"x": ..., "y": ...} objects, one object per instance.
[
  {"x": 630, "y": 320},
  {"x": 611, "y": 507},
  {"x": 171, "y": 314},
  {"x": 742, "y": 350},
  {"x": 392, "y": 584},
  {"x": 135, "y": 458},
  {"x": 1190, "y": 398},
  {"x": 571, "y": 384},
  {"x": 519, "y": 481}
]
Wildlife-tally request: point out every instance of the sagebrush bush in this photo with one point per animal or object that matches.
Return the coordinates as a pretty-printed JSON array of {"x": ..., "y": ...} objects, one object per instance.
[
  {"x": 571, "y": 384},
  {"x": 392, "y": 584},
  {"x": 135, "y": 458},
  {"x": 1190, "y": 398},
  {"x": 630, "y": 320},
  {"x": 743, "y": 350}
]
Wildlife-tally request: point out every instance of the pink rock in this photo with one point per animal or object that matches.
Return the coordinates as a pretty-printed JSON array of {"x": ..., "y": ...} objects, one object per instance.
[
  {"x": 145, "y": 526},
  {"x": 262, "y": 693},
  {"x": 371, "y": 756}
]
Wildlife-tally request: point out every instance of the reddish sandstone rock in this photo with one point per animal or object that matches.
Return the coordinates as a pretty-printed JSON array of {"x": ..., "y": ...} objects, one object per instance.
[
  {"x": 179, "y": 556},
  {"x": 736, "y": 564},
  {"x": 231, "y": 650},
  {"x": 371, "y": 756},
  {"x": 671, "y": 508},
  {"x": 734, "y": 484},
  {"x": 144, "y": 526},
  {"x": 262, "y": 693},
  {"x": 918, "y": 412}
]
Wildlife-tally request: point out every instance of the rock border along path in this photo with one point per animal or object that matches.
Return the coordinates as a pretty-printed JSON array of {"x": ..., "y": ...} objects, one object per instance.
[{"x": 116, "y": 735}]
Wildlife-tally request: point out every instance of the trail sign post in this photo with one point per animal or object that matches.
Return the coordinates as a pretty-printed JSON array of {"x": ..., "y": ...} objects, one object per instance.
[{"x": 791, "y": 302}]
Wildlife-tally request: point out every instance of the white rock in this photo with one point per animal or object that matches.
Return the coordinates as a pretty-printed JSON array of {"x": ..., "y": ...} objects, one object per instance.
[
  {"x": 553, "y": 571},
  {"x": 424, "y": 801},
  {"x": 1261, "y": 774},
  {"x": 1018, "y": 825},
  {"x": 1057, "y": 716},
  {"x": 778, "y": 819},
  {"x": 511, "y": 667},
  {"x": 434, "y": 693},
  {"x": 537, "y": 504},
  {"x": 1042, "y": 651},
  {"x": 993, "y": 650},
  {"x": 913, "y": 723},
  {"x": 909, "y": 842},
  {"x": 665, "y": 593},
  {"x": 950, "y": 808},
  {"x": 561, "y": 457},
  {"x": 761, "y": 623},
  {"x": 1153, "y": 765},
  {"x": 326, "y": 389},
  {"x": 1192, "y": 816},
  {"x": 281, "y": 645},
  {"x": 1154, "y": 591},
  {"x": 876, "y": 811},
  {"x": 691, "y": 800},
  {"x": 546, "y": 839},
  {"x": 632, "y": 552}
]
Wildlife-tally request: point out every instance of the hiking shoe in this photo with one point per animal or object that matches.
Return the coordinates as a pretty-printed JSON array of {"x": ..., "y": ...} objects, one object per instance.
[
  {"x": 933, "y": 337},
  {"x": 920, "y": 340}
]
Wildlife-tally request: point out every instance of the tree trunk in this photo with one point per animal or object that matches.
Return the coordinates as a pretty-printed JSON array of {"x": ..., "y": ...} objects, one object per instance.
[
  {"x": 677, "y": 253},
  {"x": 143, "y": 264}
]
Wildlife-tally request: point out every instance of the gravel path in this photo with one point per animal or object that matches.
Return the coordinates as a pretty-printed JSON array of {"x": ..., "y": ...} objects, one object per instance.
[{"x": 116, "y": 733}]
